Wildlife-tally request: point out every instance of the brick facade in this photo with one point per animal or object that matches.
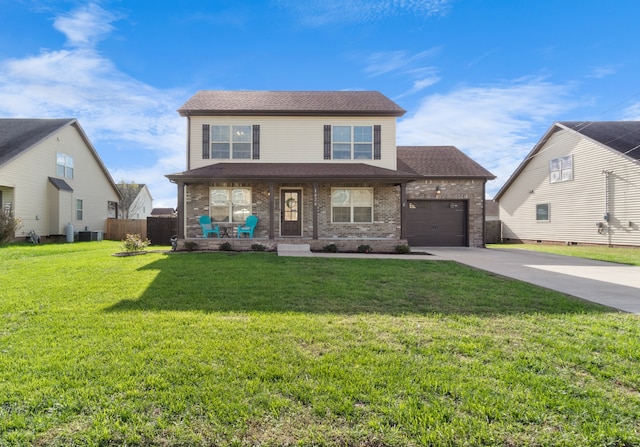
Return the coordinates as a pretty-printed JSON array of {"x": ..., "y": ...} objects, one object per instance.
[
  {"x": 386, "y": 210},
  {"x": 471, "y": 190}
]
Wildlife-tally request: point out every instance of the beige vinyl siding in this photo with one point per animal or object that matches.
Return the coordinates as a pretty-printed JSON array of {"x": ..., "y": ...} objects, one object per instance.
[
  {"x": 576, "y": 206},
  {"x": 28, "y": 175},
  {"x": 294, "y": 139}
]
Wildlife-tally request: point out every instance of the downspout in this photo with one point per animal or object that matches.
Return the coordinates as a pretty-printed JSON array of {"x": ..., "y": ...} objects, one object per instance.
[
  {"x": 484, "y": 214},
  {"x": 607, "y": 204},
  {"x": 403, "y": 211}
]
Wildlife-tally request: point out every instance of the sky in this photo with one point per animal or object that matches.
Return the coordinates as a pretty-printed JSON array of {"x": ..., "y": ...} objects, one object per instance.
[{"x": 487, "y": 76}]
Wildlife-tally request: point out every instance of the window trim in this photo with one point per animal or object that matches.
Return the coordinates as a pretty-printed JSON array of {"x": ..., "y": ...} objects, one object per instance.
[
  {"x": 251, "y": 152},
  {"x": 548, "y": 212},
  {"x": 558, "y": 170},
  {"x": 229, "y": 203},
  {"x": 330, "y": 142},
  {"x": 79, "y": 209},
  {"x": 352, "y": 212},
  {"x": 67, "y": 165}
]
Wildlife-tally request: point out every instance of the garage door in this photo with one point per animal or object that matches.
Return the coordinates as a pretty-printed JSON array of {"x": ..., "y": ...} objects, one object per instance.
[{"x": 440, "y": 223}]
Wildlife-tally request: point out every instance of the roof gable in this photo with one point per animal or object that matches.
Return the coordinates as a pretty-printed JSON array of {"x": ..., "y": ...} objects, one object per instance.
[
  {"x": 439, "y": 161},
  {"x": 620, "y": 136},
  {"x": 289, "y": 103},
  {"x": 18, "y": 134}
]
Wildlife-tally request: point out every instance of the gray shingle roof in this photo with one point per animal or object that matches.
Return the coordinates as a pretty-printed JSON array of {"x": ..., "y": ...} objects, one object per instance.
[
  {"x": 622, "y": 136},
  {"x": 439, "y": 161},
  {"x": 19, "y": 134},
  {"x": 60, "y": 184},
  {"x": 306, "y": 172},
  {"x": 353, "y": 103}
]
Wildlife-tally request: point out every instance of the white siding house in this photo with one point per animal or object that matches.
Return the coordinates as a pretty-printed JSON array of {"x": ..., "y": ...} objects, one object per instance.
[
  {"x": 579, "y": 185},
  {"x": 51, "y": 175}
]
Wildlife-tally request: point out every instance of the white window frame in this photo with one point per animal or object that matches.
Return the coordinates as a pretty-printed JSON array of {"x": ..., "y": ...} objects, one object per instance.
[
  {"x": 356, "y": 142},
  {"x": 561, "y": 169},
  {"x": 79, "y": 209},
  {"x": 548, "y": 212},
  {"x": 232, "y": 203},
  {"x": 64, "y": 165},
  {"x": 238, "y": 140},
  {"x": 342, "y": 198}
]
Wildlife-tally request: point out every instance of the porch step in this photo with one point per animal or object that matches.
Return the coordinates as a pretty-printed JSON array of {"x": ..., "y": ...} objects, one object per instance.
[{"x": 294, "y": 250}]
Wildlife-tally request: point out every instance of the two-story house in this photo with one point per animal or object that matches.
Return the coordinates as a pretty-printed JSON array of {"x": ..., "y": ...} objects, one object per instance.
[
  {"x": 313, "y": 166},
  {"x": 51, "y": 177}
]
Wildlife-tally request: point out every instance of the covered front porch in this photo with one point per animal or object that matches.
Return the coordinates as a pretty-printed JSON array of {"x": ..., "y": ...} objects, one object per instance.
[{"x": 348, "y": 205}]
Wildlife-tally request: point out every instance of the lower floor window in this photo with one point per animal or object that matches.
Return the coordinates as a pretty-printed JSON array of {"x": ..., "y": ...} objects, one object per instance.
[
  {"x": 79, "y": 209},
  {"x": 229, "y": 204},
  {"x": 353, "y": 205},
  {"x": 542, "y": 212}
]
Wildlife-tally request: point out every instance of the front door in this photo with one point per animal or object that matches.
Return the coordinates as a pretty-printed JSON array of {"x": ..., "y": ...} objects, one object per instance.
[{"x": 291, "y": 217}]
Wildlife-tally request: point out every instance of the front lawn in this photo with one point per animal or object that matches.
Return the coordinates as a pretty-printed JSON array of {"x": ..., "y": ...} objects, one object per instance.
[
  {"x": 621, "y": 255},
  {"x": 247, "y": 349}
]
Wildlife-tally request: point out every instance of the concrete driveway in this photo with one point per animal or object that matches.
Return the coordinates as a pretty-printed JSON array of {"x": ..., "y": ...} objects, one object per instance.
[{"x": 613, "y": 285}]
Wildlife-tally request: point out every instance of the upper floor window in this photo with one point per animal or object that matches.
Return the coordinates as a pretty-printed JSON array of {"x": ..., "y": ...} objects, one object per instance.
[
  {"x": 64, "y": 165},
  {"x": 352, "y": 142},
  {"x": 231, "y": 142},
  {"x": 561, "y": 169}
]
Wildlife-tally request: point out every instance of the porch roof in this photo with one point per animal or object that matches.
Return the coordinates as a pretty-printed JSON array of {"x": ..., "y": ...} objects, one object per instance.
[{"x": 294, "y": 172}]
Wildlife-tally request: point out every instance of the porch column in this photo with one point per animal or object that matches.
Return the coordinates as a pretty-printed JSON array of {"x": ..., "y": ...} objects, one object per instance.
[
  {"x": 315, "y": 211},
  {"x": 272, "y": 210},
  {"x": 403, "y": 211},
  {"x": 181, "y": 211}
]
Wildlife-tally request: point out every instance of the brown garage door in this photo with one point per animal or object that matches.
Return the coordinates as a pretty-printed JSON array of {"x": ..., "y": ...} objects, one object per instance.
[{"x": 439, "y": 223}]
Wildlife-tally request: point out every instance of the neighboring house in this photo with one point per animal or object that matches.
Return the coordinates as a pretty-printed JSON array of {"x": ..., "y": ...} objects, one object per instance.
[
  {"x": 579, "y": 185},
  {"x": 446, "y": 208},
  {"x": 163, "y": 212},
  {"x": 141, "y": 203},
  {"x": 52, "y": 176},
  {"x": 315, "y": 167}
]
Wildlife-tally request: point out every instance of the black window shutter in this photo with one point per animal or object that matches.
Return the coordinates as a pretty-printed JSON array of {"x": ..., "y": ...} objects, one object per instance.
[
  {"x": 327, "y": 142},
  {"x": 377, "y": 152},
  {"x": 256, "y": 142},
  {"x": 205, "y": 141}
]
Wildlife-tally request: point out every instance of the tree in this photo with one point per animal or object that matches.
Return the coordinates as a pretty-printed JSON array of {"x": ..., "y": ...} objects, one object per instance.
[
  {"x": 129, "y": 191},
  {"x": 8, "y": 226}
]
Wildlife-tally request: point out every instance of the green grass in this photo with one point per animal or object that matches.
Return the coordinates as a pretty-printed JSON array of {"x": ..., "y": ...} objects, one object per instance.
[
  {"x": 620, "y": 255},
  {"x": 204, "y": 349}
]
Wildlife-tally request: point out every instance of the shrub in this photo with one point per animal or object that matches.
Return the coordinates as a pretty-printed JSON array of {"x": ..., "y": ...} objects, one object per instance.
[
  {"x": 226, "y": 246},
  {"x": 403, "y": 249},
  {"x": 331, "y": 248},
  {"x": 8, "y": 227},
  {"x": 364, "y": 249},
  {"x": 258, "y": 247},
  {"x": 190, "y": 245},
  {"x": 134, "y": 243}
]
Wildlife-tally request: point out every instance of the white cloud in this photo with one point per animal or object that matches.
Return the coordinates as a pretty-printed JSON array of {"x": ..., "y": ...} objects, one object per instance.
[
  {"x": 495, "y": 125},
  {"x": 118, "y": 113},
  {"x": 323, "y": 12}
]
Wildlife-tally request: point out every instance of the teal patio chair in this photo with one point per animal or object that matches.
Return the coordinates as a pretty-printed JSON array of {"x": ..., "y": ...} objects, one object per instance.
[
  {"x": 207, "y": 227},
  {"x": 248, "y": 227}
]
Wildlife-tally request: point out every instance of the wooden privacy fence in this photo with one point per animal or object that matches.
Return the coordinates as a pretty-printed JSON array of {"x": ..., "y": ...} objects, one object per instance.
[
  {"x": 117, "y": 229},
  {"x": 492, "y": 232}
]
